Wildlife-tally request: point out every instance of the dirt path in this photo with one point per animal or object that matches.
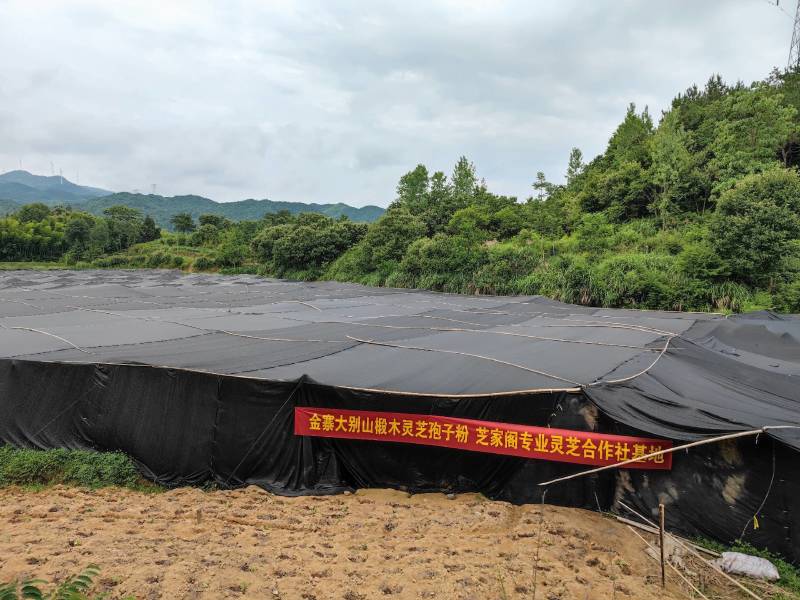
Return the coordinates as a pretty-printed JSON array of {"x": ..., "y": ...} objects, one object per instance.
[{"x": 374, "y": 544}]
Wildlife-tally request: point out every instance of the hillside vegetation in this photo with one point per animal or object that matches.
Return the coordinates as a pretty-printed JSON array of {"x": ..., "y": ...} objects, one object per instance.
[
  {"x": 18, "y": 187},
  {"x": 700, "y": 211},
  {"x": 162, "y": 209}
]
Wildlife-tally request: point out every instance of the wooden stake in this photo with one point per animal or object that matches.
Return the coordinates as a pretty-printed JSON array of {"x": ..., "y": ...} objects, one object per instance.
[
  {"x": 661, "y": 544},
  {"x": 694, "y": 552},
  {"x": 671, "y": 566}
]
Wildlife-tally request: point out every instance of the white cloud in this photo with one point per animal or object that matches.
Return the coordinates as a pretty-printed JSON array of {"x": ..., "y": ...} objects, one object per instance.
[{"x": 332, "y": 101}]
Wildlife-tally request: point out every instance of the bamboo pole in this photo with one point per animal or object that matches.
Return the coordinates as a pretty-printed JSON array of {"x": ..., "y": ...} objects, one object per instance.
[
  {"x": 719, "y": 438},
  {"x": 746, "y": 590},
  {"x": 661, "y": 545},
  {"x": 673, "y": 567}
]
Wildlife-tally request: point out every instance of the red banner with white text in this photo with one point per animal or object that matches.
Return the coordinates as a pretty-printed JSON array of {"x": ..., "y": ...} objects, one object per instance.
[{"x": 527, "y": 441}]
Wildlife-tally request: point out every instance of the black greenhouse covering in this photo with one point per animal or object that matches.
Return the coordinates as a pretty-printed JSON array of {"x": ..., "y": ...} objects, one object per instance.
[{"x": 197, "y": 376}]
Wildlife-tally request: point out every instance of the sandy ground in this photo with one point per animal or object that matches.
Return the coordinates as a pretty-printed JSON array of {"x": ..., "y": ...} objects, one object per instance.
[{"x": 188, "y": 543}]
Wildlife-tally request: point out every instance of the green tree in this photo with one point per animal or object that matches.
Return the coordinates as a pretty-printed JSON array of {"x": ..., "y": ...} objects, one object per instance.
[
  {"x": 630, "y": 141},
  {"x": 183, "y": 222},
  {"x": 412, "y": 190},
  {"x": 149, "y": 231},
  {"x": 33, "y": 212},
  {"x": 753, "y": 127},
  {"x": 756, "y": 225},
  {"x": 217, "y": 221},
  {"x": 575, "y": 165},
  {"x": 77, "y": 232},
  {"x": 124, "y": 224},
  {"x": 543, "y": 187},
  {"x": 671, "y": 165}
]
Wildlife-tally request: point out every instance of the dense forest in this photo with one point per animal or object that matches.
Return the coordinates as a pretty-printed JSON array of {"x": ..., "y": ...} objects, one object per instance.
[{"x": 700, "y": 211}]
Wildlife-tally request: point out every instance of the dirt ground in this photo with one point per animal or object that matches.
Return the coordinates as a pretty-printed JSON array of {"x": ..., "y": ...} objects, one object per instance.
[{"x": 188, "y": 543}]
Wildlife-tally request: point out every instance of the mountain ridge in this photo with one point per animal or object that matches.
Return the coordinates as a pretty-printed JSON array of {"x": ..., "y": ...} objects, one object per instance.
[{"x": 20, "y": 187}]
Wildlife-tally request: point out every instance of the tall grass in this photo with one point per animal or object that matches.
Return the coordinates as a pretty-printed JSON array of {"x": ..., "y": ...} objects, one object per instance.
[{"x": 86, "y": 468}]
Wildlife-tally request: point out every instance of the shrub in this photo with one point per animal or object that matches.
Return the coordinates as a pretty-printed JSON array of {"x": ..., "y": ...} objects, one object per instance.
[
  {"x": 444, "y": 262},
  {"x": 202, "y": 263},
  {"x": 645, "y": 281},
  {"x": 230, "y": 254},
  {"x": 507, "y": 264},
  {"x": 158, "y": 260},
  {"x": 78, "y": 467},
  {"x": 755, "y": 224}
]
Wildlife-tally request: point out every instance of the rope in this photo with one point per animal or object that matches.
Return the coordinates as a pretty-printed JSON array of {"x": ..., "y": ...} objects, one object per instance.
[
  {"x": 483, "y": 331},
  {"x": 489, "y": 358},
  {"x": 635, "y": 375},
  {"x": 764, "y": 501},
  {"x": 58, "y": 337}
]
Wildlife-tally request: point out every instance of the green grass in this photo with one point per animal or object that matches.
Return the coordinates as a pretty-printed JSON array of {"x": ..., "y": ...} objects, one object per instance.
[
  {"x": 38, "y": 266},
  {"x": 790, "y": 574},
  {"x": 85, "y": 468}
]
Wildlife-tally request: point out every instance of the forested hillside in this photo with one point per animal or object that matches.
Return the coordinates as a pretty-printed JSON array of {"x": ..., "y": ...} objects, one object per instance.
[
  {"x": 162, "y": 208},
  {"x": 18, "y": 187},
  {"x": 698, "y": 209}
]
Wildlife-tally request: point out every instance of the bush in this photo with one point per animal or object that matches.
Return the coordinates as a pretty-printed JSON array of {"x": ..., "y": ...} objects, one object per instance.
[
  {"x": 564, "y": 278},
  {"x": 756, "y": 223},
  {"x": 230, "y": 254},
  {"x": 77, "y": 467},
  {"x": 115, "y": 261},
  {"x": 507, "y": 265},
  {"x": 787, "y": 297},
  {"x": 444, "y": 263},
  {"x": 646, "y": 281},
  {"x": 202, "y": 263},
  {"x": 158, "y": 260}
]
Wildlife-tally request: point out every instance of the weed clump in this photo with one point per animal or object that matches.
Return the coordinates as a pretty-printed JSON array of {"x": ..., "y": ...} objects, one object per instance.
[{"x": 86, "y": 468}]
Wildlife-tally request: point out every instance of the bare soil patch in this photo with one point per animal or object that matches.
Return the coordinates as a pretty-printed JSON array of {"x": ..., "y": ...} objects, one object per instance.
[{"x": 188, "y": 543}]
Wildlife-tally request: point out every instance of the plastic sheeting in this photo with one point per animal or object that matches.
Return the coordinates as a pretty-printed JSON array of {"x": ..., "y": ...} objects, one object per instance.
[{"x": 196, "y": 376}]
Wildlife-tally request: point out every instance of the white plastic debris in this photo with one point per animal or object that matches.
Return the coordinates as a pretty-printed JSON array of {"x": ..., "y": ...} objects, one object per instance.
[{"x": 736, "y": 563}]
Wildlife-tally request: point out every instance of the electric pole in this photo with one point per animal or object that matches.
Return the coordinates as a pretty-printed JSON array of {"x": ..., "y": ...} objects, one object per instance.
[{"x": 794, "y": 50}]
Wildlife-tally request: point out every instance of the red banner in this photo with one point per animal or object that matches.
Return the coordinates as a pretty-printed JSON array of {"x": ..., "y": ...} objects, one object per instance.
[{"x": 564, "y": 445}]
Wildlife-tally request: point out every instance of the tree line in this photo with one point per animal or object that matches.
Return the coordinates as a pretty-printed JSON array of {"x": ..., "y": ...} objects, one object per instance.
[{"x": 698, "y": 211}]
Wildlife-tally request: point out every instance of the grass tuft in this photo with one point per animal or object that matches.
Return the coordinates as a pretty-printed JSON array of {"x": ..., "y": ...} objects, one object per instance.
[{"x": 85, "y": 468}]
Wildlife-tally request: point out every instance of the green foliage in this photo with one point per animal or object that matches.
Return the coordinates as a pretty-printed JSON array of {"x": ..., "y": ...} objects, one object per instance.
[
  {"x": 87, "y": 468},
  {"x": 163, "y": 208},
  {"x": 203, "y": 264},
  {"x": 752, "y": 127},
  {"x": 312, "y": 242},
  {"x": 757, "y": 223},
  {"x": 149, "y": 231},
  {"x": 183, "y": 222},
  {"x": 33, "y": 212},
  {"x": 700, "y": 212},
  {"x": 789, "y": 573},
  {"x": 76, "y": 587}
]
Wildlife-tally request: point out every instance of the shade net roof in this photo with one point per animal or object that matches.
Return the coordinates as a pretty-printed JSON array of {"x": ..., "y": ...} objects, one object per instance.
[{"x": 681, "y": 375}]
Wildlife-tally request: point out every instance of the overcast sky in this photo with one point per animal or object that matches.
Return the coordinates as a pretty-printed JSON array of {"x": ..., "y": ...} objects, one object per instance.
[{"x": 332, "y": 101}]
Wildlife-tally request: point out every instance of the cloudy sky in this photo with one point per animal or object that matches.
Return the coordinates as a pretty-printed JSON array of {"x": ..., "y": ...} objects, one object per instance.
[{"x": 329, "y": 101}]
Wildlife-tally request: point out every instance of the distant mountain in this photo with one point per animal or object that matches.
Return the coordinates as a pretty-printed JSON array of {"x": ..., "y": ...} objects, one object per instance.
[
  {"x": 7, "y": 206},
  {"x": 24, "y": 187},
  {"x": 162, "y": 208}
]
